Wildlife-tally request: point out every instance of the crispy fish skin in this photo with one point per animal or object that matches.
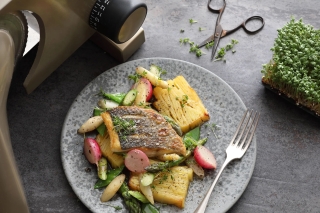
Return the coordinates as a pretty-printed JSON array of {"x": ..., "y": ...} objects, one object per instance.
[{"x": 153, "y": 134}]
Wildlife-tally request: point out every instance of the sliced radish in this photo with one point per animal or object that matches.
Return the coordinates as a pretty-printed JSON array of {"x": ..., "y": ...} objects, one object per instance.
[
  {"x": 154, "y": 80},
  {"x": 197, "y": 169},
  {"x": 136, "y": 160},
  {"x": 204, "y": 157},
  {"x": 92, "y": 150},
  {"x": 144, "y": 88}
]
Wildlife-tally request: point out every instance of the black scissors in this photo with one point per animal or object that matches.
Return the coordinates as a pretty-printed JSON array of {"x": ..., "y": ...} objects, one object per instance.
[{"x": 220, "y": 32}]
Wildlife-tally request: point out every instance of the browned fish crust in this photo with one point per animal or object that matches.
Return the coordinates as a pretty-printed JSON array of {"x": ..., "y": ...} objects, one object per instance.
[{"x": 152, "y": 133}]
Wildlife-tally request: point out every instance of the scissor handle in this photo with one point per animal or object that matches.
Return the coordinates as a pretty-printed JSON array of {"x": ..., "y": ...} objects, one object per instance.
[
  {"x": 244, "y": 26},
  {"x": 215, "y": 10}
]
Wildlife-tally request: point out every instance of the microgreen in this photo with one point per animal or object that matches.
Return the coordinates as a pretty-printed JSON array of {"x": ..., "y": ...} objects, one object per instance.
[
  {"x": 209, "y": 44},
  {"x": 184, "y": 100},
  {"x": 191, "y": 21},
  {"x": 123, "y": 127},
  {"x": 117, "y": 208},
  {"x": 214, "y": 128},
  {"x": 295, "y": 65},
  {"x": 135, "y": 77},
  {"x": 221, "y": 53},
  {"x": 195, "y": 49},
  {"x": 223, "y": 50},
  {"x": 161, "y": 71},
  {"x": 184, "y": 40}
]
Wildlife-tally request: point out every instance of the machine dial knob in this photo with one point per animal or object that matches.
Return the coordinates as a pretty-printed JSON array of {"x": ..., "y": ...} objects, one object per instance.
[{"x": 119, "y": 20}]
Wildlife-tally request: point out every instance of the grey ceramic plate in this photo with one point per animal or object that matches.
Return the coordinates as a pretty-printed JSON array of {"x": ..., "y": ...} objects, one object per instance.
[{"x": 225, "y": 108}]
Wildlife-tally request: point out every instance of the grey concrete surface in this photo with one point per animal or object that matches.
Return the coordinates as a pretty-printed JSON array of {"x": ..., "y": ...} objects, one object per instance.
[{"x": 287, "y": 171}]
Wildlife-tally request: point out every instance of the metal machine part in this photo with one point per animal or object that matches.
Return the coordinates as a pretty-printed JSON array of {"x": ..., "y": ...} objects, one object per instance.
[
  {"x": 57, "y": 42},
  {"x": 13, "y": 35},
  {"x": 15, "y": 24},
  {"x": 62, "y": 31},
  {"x": 118, "y": 20}
]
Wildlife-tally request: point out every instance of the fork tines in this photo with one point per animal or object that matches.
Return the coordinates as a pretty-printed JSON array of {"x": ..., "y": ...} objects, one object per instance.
[{"x": 246, "y": 128}]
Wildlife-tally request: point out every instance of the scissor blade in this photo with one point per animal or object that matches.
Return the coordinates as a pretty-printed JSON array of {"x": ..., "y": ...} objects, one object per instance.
[
  {"x": 217, "y": 36},
  {"x": 205, "y": 42}
]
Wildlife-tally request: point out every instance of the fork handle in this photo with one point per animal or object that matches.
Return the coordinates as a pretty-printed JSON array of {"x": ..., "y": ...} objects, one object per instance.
[{"x": 203, "y": 205}]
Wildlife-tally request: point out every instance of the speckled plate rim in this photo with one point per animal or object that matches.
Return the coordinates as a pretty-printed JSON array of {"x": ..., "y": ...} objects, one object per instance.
[{"x": 223, "y": 106}]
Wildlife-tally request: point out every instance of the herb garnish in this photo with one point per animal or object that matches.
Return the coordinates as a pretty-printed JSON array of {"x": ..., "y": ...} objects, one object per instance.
[
  {"x": 161, "y": 71},
  {"x": 193, "y": 47},
  {"x": 183, "y": 100},
  {"x": 123, "y": 127},
  {"x": 215, "y": 127},
  {"x": 209, "y": 45},
  {"x": 117, "y": 208},
  {"x": 184, "y": 40},
  {"x": 223, "y": 50},
  {"x": 191, "y": 21},
  {"x": 135, "y": 77}
]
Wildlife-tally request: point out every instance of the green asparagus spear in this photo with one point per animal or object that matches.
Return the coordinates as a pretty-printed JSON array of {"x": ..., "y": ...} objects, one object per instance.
[
  {"x": 132, "y": 203},
  {"x": 191, "y": 143},
  {"x": 174, "y": 125},
  {"x": 149, "y": 208},
  {"x": 160, "y": 166}
]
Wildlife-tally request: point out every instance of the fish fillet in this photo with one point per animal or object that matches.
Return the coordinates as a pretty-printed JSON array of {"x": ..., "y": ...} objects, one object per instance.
[{"x": 152, "y": 134}]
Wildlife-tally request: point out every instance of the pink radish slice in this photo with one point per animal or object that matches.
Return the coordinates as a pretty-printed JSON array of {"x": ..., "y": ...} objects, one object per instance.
[
  {"x": 136, "y": 160},
  {"x": 204, "y": 157},
  {"x": 92, "y": 150},
  {"x": 145, "y": 85}
]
